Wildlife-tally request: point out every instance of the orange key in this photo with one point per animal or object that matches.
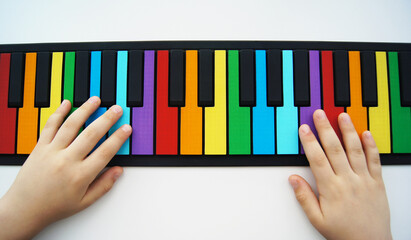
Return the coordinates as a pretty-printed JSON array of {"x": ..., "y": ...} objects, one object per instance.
[
  {"x": 28, "y": 114},
  {"x": 191, "y": 135},
  {"x": 357, "y": 112}
]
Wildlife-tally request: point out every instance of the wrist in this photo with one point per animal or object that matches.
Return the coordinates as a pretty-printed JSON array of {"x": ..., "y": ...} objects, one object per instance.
[{"x": 16, "y": 220}]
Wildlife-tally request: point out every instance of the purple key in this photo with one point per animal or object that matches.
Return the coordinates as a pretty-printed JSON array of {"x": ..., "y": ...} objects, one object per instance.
[
  {"x": 306, "y": 113},
  {"x": 143, "y": 117}
]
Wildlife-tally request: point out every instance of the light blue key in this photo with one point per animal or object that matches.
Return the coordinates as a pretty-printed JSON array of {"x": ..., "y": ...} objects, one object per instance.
[
  {"x": 95, "y": 72},
  {"x": 263, "y": 116},
  {"x": 287, "y": 116},
  {"x": 121, "y": 99}
]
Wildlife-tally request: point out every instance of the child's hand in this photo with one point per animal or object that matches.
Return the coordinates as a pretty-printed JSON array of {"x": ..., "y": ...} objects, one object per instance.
[
  {"x": 352, "y": 202},
  {"x": 59, "y": 177}
]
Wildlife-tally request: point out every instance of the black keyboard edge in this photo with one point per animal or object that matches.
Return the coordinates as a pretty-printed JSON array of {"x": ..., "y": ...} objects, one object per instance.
[
  {"x": 158, "y": 45},
  {"x": 212, "y": 161}
]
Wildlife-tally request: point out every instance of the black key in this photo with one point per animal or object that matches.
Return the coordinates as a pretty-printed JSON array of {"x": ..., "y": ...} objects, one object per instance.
[
  {"x": 43, "y": 79},
  {"x": 301, "y": 78},
  {"x": 274, "y": 78},
  {"x": 206, "y": 78},
  {"x": 368, "y": 79},
  {"x": 247, "y": 78},
  {"x": 341, "y": 79},
  {"x": 176, "y": 88},
  {"x": 108, "y": 78},
  {"x": 405, "y": 78},
  {"x": 135, "y": 79},
  {"x": 82, "y": 78},
  {"x": 16, "y": 82}
]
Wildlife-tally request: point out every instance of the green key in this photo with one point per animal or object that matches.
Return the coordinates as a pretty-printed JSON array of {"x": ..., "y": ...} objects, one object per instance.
[
  {"x": 69, "y": 68},
  {"x": 400, "y": 116},
  {"x": 239, "y": 140},
  {"x": 69, "y": 63}
]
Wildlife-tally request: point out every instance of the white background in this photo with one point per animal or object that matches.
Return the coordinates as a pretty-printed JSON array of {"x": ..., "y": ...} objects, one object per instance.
[{"x": 210, "y": 202}]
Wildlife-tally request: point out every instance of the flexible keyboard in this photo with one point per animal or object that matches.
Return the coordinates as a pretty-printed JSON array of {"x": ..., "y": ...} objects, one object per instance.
[{"x": 210, "y": 103}]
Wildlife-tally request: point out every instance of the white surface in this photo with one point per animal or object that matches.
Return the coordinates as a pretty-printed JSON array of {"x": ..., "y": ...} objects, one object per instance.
[{"x": 207, "y": 203}]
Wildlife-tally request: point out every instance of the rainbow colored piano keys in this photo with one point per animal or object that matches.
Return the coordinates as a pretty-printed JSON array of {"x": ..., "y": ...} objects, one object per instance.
[{"x": 225, "y": 128}]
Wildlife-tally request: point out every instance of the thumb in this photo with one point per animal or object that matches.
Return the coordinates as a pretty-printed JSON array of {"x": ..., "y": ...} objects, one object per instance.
[
  {"x": 307, "y": 199},
  {"x": 101, "y": 186}
]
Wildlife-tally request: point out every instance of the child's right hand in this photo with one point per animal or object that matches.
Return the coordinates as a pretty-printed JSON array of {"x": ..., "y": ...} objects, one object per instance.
[{"x": 352, "y": 203}]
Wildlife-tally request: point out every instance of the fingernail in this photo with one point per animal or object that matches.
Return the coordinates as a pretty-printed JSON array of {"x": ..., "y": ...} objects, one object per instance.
[
  {"x": 321, "y": 115},
  {"x": 126, "y": 128},
  {"x": 63, "y": 103},
  {"x": 367, "y": 134},
  {"x": 294, "y": 183},
  {"x": 92, "y": 100},
  {"x": 116, "y": 176},
  {"x": 370, "y": 140},
  {"x": 305, "y": 129},
  {"x": 116, "y": 109},
  {"x": 346, "y": 118}
]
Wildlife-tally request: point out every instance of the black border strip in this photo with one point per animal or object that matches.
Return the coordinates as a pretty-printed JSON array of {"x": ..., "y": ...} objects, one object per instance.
[
  {"x": 208, "y": 160},
  {"x": 216, "y": 45}
]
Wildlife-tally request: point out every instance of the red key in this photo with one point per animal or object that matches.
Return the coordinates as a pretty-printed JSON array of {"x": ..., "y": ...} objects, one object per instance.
[
  {"x": 7, "y": 115},
  {"x": 167, "y": 117},
  {"x": 328, "y": 91}
]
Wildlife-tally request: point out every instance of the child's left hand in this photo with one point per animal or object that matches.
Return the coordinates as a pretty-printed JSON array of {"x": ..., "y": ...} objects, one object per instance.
[{"x": 60, "y": 178}]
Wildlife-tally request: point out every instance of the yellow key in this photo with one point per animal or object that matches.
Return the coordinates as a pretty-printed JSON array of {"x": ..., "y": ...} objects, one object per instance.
[
  {"x": 379, "y": 117},
  {"x": 55, "y": 88},
  {"x": 215, "y": 117}
]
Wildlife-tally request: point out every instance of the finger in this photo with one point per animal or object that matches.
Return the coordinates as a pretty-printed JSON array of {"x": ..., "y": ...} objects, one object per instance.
[
  {"x": 316, "y": 157},
  {"x": 101, "y": 186},
  {"x": 87, "y": 139},
  {"x": 331, "y": 143},
  {"x": 106, "y": 151},
  {"x": 54, "y": 122},
  {"x": 72, "y": 125},
  {"x": 372, "y": 155},
  {"x": 352, "y": 143},
  {"x": 307, "y": 199}
]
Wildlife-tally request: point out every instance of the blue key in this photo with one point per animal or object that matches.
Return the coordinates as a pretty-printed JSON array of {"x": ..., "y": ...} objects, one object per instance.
[
  {"x": 121, "y": 99},
  {"x": 263, "y": 116},
  {"x": 95, "y": 71},
  {"x": 287, "y": 116}
]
